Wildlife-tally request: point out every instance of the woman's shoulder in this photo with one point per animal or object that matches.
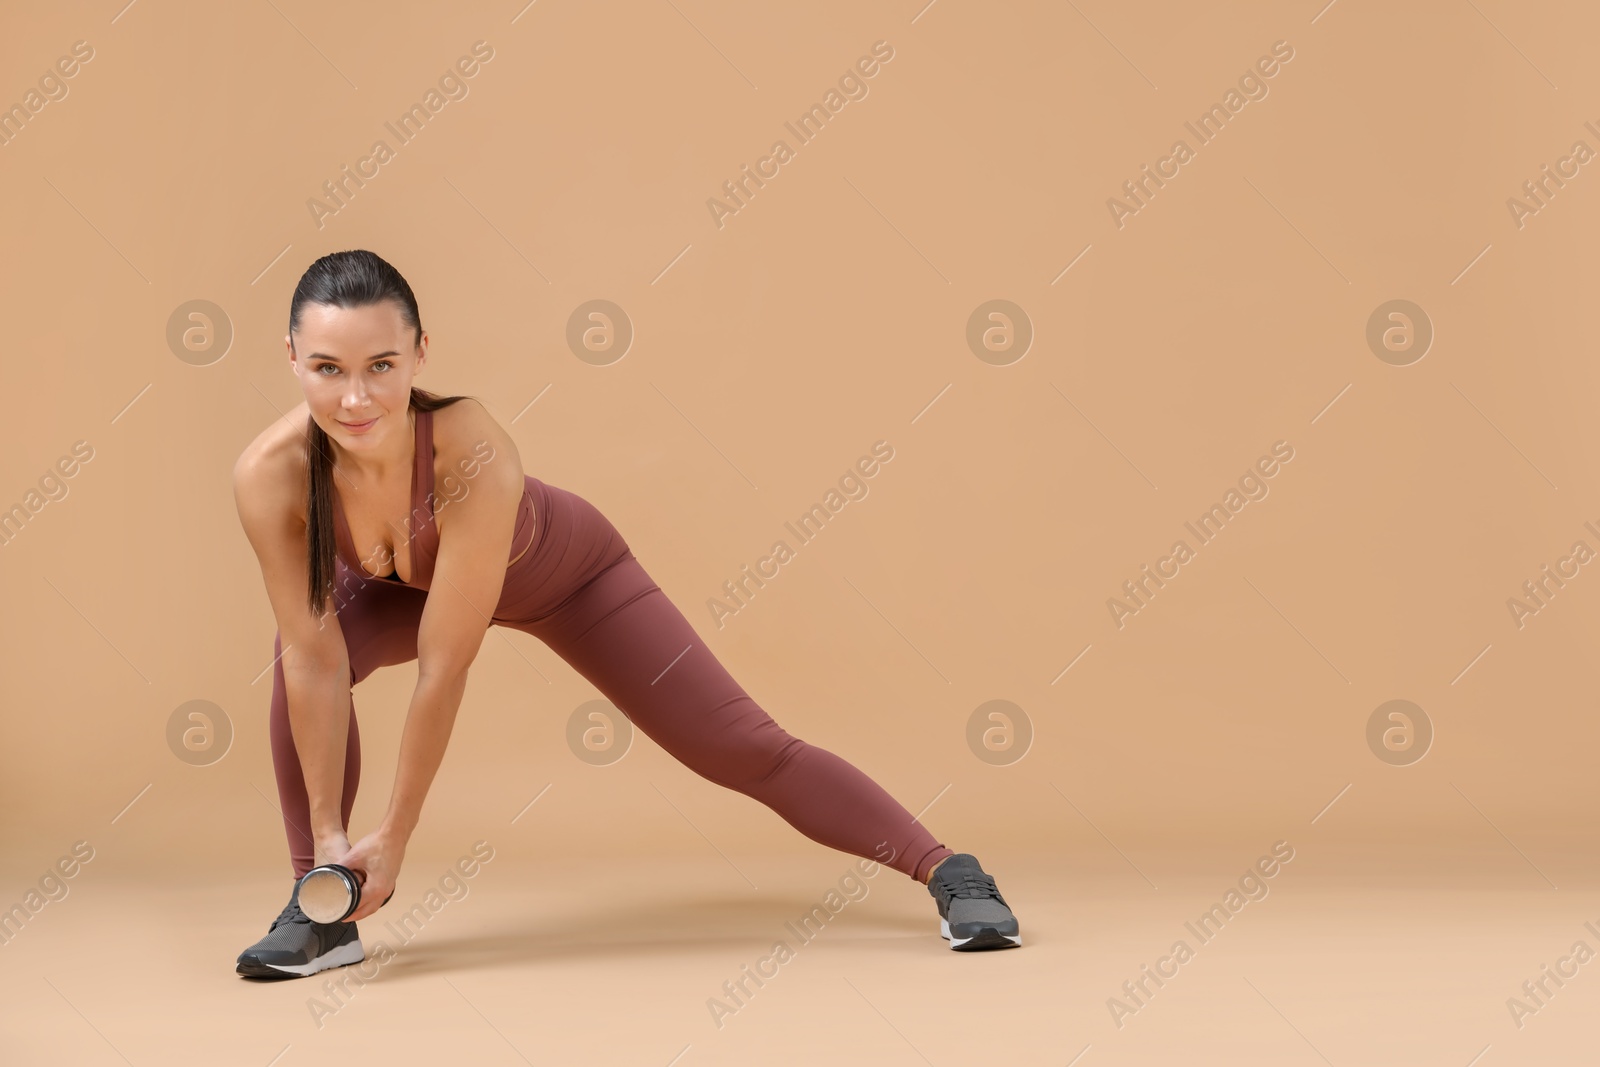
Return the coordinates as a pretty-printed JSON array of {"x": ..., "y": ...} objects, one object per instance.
[
  {"x": 463, "y": 415},
  {"x": 466, "y": 434},
  {"x": 466, "y": 427},
  {"x": 272, "y": 467}
]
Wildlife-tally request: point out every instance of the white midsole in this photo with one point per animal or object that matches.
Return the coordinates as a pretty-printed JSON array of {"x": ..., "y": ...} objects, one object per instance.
[{"x": 342, "y": 956}]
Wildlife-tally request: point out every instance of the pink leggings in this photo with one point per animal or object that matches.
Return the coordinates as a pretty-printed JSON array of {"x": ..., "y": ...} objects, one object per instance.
[{"x": 586, "y": 597}]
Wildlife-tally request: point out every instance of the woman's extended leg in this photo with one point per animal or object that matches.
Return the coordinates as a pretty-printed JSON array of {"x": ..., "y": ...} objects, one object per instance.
[
  {"x": 623, "y": 634},
  {"x": 379, "y": 622}
]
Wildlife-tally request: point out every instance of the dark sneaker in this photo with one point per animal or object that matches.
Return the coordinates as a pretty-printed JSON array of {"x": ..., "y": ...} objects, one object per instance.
[
  {"x": 972, "y": 913},
  {"x": 296, "y": 947}
]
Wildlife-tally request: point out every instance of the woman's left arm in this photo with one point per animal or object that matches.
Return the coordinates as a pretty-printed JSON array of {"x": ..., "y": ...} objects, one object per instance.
[{"x": 468, "y": 575}]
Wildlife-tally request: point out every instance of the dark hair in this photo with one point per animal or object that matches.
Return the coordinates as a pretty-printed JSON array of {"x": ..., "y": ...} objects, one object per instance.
[{"x": 349, "y": 279}]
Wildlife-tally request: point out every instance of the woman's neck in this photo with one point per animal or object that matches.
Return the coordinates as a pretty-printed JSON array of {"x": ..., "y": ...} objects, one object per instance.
[{"x": 371, "y": 468}]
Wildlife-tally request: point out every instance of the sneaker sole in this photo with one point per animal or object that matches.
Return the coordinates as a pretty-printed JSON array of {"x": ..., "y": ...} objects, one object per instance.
[
  {"x": 988, "y": 937},
  {"x": 342, "y": 956}
]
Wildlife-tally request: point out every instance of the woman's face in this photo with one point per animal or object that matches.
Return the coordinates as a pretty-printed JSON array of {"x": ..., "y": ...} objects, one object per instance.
[{"x": 355, "y": 366}]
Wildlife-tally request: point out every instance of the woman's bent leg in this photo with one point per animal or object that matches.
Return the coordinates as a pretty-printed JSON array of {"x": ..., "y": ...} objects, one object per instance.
[
  {"x": 623, "y": 634},
  {"x": 379, "y": 622}
]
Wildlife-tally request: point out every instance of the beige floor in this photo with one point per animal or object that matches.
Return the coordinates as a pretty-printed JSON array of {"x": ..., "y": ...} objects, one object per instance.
[{"x": 575, "y": 960}]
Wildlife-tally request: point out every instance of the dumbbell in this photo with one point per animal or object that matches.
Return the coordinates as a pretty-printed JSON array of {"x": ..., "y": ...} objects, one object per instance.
[{"x": 331, "y": 893}]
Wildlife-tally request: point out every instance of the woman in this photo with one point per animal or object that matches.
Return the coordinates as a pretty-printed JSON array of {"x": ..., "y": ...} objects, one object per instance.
[{"x": 379, "y": 513}]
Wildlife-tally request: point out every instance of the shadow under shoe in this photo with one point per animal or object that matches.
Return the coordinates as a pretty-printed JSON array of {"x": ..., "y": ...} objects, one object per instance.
[
  {"x": 296, "y": 947},
  {"x": 972, "y": 913}
]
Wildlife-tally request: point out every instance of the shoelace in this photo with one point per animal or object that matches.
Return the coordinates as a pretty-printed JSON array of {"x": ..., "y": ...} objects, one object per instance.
[
  {"x": 291, "y": 913},
  {"x": 969, "y": 883}
]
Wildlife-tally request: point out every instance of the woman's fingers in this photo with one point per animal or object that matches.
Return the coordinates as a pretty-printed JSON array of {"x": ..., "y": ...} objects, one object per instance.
[{"x": 369, "y": 904}]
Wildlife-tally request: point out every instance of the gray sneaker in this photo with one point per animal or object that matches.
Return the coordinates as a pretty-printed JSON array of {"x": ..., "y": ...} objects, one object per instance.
[
  {"x": 296, "y": 947},
  {"x": 972, "y": 913}
]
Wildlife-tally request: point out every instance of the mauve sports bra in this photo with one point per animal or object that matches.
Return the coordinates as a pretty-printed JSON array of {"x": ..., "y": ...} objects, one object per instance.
[{"x": 425, "y": 541}]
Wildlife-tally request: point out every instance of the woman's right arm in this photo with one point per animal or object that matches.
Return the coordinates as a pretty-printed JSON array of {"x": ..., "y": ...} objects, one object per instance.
[{"x": 316, "y": 666}]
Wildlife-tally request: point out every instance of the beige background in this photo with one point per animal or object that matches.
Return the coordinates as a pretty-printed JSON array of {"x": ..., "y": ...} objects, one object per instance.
[{"x": 829, "y": 313}]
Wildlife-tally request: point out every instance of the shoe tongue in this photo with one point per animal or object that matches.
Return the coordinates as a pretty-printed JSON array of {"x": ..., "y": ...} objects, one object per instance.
[{"x": 287, "y": 915}]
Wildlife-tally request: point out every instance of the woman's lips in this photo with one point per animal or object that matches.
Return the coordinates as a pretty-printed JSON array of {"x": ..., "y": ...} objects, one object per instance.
[{"x": 359, "y": 427}]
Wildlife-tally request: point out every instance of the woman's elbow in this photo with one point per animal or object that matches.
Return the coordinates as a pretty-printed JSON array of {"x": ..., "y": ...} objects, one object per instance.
[{"x": 445, "y": 670}]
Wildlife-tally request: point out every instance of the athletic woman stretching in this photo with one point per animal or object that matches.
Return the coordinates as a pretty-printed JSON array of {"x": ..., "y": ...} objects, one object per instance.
[{"x": 379, "y": 513}]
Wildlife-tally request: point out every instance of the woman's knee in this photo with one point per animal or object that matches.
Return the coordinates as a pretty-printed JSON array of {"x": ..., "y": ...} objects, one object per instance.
[{"x": 743, "y": 762}]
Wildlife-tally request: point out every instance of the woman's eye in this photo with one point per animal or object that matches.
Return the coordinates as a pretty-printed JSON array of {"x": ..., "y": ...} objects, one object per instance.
[
  {"x": 325, "y": 366},
  {"x": 383, "y": 363}
]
